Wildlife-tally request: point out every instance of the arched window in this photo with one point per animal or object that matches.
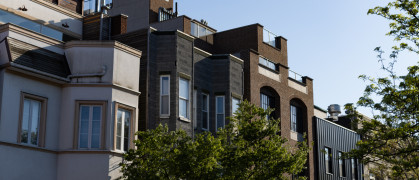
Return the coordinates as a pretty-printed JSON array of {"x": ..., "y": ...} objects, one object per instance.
[
  {"x": 297, "y": 115},
  {"x": 269, "y": 99}
]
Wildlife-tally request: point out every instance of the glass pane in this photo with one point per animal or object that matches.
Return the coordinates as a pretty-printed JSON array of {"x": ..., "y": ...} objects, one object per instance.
[
  {"x": 84, "y": 112},
  {"x": 205, "y": 120},
  {"x": 36, "y": 108},
  {"x": 202, "y": 31},
  {"x": 220, "y": 104},
  {"x": 25, "y": 121},
  {"x": 184, "y": 88},
  {"x": 220, "y": 120},
  {"x": 235, "y": 104},
  {"x": 208, "y": 32},
  {"x": 183, "y": 104},
  {"x": 95, "y": 141},
  {"x": 126, "y": 129},
  {"x": 164, "y": 104},
  {"x": 165, "y": 86},
  {"x": 118, "y": 129},
  {"x": 95, "y": 127},
  {"x": 205, "y": 103},
  {"x": 96, "y": 113},
  {"x": 194, "y": 29},
  {"x": 83, "y": 140},
  {"x": 52, "y": 33}
]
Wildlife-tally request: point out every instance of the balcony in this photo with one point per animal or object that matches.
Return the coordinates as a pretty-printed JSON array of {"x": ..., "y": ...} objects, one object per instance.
[
  {"x": 296, "y": 82},
  {"x": 269, "y": 37}
]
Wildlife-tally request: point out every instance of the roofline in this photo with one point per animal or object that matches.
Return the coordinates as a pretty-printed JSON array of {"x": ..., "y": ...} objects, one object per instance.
[
  {"x": 337, "y": 125},
  {"x": 101, "y": 43}
]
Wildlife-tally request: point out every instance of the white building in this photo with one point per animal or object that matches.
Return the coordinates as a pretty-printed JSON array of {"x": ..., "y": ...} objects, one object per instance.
[{"x": 68, "y": 109}]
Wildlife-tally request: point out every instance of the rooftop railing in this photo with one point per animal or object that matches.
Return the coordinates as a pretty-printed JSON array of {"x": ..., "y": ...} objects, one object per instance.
[
  {"x": 295, "y": 76},
  {"x": 165, "y": 14},
  {"x": 269, "y": 37}
]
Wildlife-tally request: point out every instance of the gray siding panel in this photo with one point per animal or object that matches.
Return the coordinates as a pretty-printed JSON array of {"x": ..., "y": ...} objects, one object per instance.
[{"x": 339, "y": 139}]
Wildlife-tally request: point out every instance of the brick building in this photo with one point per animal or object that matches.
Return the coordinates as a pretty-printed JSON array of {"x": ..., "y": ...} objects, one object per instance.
[{"x": 190, "y": 76}]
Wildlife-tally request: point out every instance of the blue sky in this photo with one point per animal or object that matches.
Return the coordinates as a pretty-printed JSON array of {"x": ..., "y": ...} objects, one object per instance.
[{"x": 331, "y": 41}]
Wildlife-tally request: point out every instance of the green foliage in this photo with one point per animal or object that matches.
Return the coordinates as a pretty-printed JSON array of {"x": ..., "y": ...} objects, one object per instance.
[
  {"x": 250, "y": 147},
  {"x": 391, "y": 137}
]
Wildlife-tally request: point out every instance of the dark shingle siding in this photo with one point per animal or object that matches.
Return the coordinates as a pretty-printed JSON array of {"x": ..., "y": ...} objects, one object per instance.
[{"x": 38, "y": 58}]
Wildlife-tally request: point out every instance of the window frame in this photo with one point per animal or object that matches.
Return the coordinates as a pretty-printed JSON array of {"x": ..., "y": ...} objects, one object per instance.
[
  {"x": 207, "y": 111},
  {"x": 232, "y": 104},
  {"x": 354, "y": 169},
  {"x": 341, "y": 163},
  {"x": 270, "y": 101},
  {"x": 132, "y": 127},
  {"x": 216, "y": 112},
  {"x": 329, "y": 160},
  {"x": 194, "y": 109},
  {"x": 160, "y": 96},
  {"x": 80, "y": 103},
  {"x": 42, "y": 118},
  {"x": 188, "y": 113}
]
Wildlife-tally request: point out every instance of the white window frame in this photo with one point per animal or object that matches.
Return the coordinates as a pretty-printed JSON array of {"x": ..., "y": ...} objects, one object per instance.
[
  {"x": 161, "y": 95},
  {"x": 232, "y": 104},
  {"x": 77, "y": 119},
  {"x": 217, "y": 113},
  {"x": 188, "y": 113},
  {"x": 207, "y": 111},
  {"x": 294, "y": 116},
  {"x": 195, "y": 111},
  {"x": 131, "y": 110},
  {"x": 89, "y": 132}
]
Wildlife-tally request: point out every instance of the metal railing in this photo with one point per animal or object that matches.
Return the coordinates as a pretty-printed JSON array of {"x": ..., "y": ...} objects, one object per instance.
[
  {"x": 295, "y": 76},
  {"x": 269, "y": 37},
  {"x": 165, "y": 14}
]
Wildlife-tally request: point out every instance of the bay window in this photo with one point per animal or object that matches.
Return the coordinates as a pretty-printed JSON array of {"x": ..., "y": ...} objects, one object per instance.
[
  {"x": 90, "y": 125},
  {"x": 124, "y": 127}
]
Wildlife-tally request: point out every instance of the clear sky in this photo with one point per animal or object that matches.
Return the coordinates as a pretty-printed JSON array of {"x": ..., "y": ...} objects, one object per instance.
[{"x": 331, "y": 41}]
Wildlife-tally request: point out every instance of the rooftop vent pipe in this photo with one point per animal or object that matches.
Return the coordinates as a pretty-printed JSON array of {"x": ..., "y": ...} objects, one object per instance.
[{"x": 334, "y": 111}]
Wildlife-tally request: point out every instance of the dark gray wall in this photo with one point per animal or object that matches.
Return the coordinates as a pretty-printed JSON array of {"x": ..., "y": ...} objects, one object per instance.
[{"x": 338, "y": 138}]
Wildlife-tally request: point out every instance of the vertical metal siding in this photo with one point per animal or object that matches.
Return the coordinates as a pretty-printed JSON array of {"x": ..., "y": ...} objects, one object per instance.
[{"x": 338, "y": 138}]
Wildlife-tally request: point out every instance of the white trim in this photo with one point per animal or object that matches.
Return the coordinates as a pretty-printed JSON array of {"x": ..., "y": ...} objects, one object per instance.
[
  {"x": 89, "y": 132},
  {"x": 188, "y": 113},
  {"x": 194, "y": 109},
  {"x": 124, "y": 112},
  {"x": 160, "y": 102},
  {"x": 216, "y": 113},
  {"x": 232, "y": 104},
  {"x": 207, "y": 111}
]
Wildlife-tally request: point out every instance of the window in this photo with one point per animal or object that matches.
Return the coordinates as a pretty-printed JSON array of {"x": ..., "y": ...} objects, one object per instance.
[
  {"x": 267, "y": 102},
  {"x": 269, "y": 64},
  {"x": 198, "y": 30},
  {"x": 164, "y": 96},
  {"x": 328, "y": 160},
  {"x": 183, "y": 98},
  {"x": 6, "y": 17},
  {"x": 124, "y": 127},
  {"x": 296, "y": 119},
  {"x": 205, "y": 115},
  {"x": 195, "y": 99},
  {"x": 220, "y": 111},
  {"x": 342, "y": 172},
  {"x": 234, "y": 105},
  {"x": 90, "y": 125},
  {"x": 354, "y": 169},
  {"x": 32, "y": 120}
]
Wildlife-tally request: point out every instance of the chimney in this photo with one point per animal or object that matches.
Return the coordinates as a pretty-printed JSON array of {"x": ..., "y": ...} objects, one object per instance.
[{"x": 334, "y": 111}]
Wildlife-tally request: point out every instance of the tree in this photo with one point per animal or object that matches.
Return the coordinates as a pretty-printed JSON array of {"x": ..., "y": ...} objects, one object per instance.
[
  {"x": 250, "y": 147},
  {"x": 254, "y": 148},
  {"x": 392, "y": 136}
]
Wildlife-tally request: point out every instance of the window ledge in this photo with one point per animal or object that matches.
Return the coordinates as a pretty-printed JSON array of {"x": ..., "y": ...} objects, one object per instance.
[
  {"x": 184, "y": 119},
  {"x": 165, "y": 116}
]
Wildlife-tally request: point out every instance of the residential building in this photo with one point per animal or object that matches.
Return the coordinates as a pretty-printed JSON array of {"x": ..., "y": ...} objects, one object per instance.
[
  {"x": 68, "y": 109},
  {"x": 78, "y": 67}
]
